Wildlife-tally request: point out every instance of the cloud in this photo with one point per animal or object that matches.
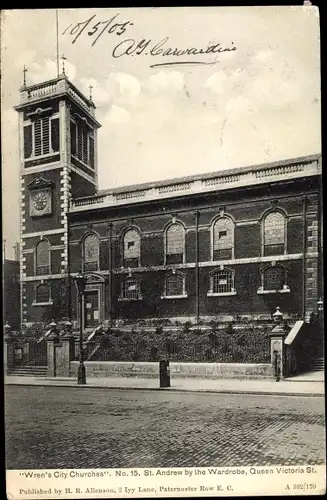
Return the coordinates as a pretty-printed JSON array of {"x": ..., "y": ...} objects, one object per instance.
[
  {"x": 118, "y": 88},
  {"x": 39, "y": 72},
  {"x": 25, "y": 58},
  {"x": 129, "y": 85},
  {"x": 166, "y": 81},
  {"x": 216, "y": 82},
  {"x": 100, "y": 94},
  {"x": 117, "y": 114}
]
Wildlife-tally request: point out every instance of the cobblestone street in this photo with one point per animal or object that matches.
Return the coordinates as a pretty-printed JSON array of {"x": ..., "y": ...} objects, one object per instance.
[{"x": 62, "y": 427}]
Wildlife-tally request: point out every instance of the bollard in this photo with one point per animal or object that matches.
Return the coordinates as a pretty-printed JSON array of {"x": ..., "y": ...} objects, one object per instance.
[{"x": 164, "y": 373}]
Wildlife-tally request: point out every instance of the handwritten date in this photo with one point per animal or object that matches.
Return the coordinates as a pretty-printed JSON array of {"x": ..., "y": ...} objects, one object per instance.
[{"x": 98, "y": 29}]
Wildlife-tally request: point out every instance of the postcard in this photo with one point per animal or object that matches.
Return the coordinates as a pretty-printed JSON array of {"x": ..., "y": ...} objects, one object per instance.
[{"x": 162, "y": 252}]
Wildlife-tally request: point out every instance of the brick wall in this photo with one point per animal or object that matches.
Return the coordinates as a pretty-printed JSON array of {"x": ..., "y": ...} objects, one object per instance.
[
  {"x": 45, "y": 313},
  {"x": 29, "y": 253},
  {"x": 80, "y": 186},
  {"x": 247, "y": 214},
  {"x": 52, "y": 221}
]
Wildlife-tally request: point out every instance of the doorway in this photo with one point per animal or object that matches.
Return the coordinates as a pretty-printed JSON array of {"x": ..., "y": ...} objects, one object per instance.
[{"x": 91, "y": 308}]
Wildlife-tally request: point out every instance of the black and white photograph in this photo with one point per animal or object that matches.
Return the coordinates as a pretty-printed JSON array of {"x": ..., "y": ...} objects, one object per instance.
[{"x": 163, "y": 306}]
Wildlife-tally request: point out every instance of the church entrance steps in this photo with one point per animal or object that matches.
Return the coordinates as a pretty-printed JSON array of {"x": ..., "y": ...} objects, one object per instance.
[
  {"x": 317, "y": 364},
  {"x": 29, "y": 371}
]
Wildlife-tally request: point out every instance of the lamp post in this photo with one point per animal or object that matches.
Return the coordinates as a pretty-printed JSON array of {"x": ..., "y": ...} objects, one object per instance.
[
  {"x": 80, "y": 282},
  {"x": 277, "y": 340}
]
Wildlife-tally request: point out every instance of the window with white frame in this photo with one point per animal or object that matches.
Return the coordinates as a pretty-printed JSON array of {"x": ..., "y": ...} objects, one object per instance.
[
  {"x": 41, "y": 137},
  {"x": 91, "y": 253},
  {"x": 274, "y": 234},
  {"x": 42, "y": 293},
  {"x": 131, "y": 289},
  {"x": 174, "y": 285},
  {"x": 222, "y": 282},
  {"x": 223, "y": 239},
  {"x": 82, "y": 142},
  {"x": 273, "y": 279},
  {"x": 175, "y": 244},
  {"x": 42, "y": 257},
  {"x": 132, "y": 248}
]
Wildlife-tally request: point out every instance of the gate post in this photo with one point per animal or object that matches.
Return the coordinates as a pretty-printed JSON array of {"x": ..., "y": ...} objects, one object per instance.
[
  {"x": 68, "y": 353},
  {"x": 52, "y": 340},
  {"x": 277, "y": 346},
  {"x": 8, "y": 350}
]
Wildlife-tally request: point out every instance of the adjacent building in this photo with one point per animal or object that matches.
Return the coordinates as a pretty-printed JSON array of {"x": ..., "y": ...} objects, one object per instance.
[{"x": 11, "y": 293}]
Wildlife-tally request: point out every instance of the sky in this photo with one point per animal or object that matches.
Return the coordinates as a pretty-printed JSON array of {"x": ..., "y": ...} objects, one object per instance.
[{"x": 256, "y": 100}]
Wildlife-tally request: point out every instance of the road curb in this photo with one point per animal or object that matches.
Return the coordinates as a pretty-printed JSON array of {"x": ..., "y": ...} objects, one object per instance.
[{"x": 173, "y": 389}]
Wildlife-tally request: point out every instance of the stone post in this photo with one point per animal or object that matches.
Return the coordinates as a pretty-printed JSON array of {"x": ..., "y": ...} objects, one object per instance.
[
  {"x": 67, "y": 355},
  {"x": 277, "y": 346},
  {"x": 8, "y": 350},
  {"x": 52, "y": 341}
]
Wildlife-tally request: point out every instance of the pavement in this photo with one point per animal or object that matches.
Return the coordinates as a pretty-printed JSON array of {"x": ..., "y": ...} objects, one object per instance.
[{"x": 311, "y": 384}]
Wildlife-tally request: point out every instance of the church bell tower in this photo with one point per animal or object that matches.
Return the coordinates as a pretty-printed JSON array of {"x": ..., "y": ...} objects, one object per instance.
[{"x": 58, "y": 161}]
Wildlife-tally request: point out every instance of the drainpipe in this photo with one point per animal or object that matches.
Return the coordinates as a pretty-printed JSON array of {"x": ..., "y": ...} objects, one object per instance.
[
  {"x": 304, "y": 287},
  {"x": 110, "y": 276},
  {"x": 197, "y": 304}
]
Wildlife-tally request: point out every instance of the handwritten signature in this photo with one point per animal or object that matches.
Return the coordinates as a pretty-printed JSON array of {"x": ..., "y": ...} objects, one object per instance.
[{"x": 132, "y": 47}]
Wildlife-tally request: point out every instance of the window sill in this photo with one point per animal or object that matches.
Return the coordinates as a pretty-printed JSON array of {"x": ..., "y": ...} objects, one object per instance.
[
  {"x": 49, "y": 303},
  {"x": 82, "y": 162},
  {"x": 222, "y": 294},
  {"x": 123, "y": 299},
  {"x": 184, "y": 296},
  {"x": 265, "y": 292},
  {"x": 47, "y": 155}
]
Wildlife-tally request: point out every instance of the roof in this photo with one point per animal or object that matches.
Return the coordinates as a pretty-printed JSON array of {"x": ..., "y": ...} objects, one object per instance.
[
  {"x": 209, "y": 175},
  {"x": 242, "y": 177}
]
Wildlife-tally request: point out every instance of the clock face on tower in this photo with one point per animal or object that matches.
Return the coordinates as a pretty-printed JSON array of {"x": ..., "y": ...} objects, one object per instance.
[{"x": 40, "y": 202}]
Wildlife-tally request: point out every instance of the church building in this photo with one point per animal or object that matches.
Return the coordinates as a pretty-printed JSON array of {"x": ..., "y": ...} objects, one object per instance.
[{"x": 225, "y": 245}]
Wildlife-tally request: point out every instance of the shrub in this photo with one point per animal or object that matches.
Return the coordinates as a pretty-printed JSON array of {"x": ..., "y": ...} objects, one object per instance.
[{"x": 187, "y": 326}]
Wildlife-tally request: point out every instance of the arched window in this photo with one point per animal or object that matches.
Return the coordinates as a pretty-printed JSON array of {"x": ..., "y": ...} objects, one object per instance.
[
  {"x": 175, "y": 244},
  {"x": 274, "y": 234},
  {"x": 223, "y": 239},
  {"x": 131, "y": 289},
  {"x": 222, "y": 282},
  {"x": 175, "y": 285},
  {"x": 91, "y": 253},
  {"x": 274, "y": 279},
  {"x": 132, "y": 248},
  {"x": 42, "y": 293},
  {"x": 42, "y": 257}
]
